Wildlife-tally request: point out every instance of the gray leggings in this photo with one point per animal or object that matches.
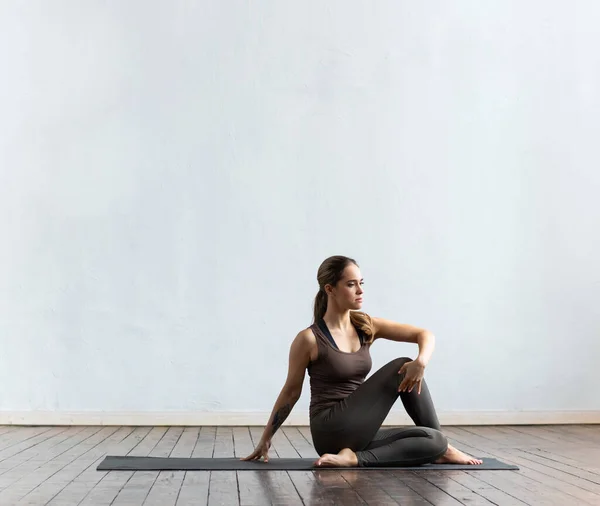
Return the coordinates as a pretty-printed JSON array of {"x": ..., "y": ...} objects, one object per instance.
[{"x": 355, "y": 423}]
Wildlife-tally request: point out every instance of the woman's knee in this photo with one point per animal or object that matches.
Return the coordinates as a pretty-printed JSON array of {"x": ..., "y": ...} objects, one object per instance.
[
  {"x": 391, "y": 371},
  {"x": 399, "y": 362},
  {"x": 402, "y": 360},
  {"x": 439, "y": 440}
]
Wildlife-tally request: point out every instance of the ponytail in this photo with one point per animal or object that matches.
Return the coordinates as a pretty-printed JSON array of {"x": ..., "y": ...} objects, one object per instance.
[
  {"x": 320, "y": 305},
  {"x": 364, "y": 322}
]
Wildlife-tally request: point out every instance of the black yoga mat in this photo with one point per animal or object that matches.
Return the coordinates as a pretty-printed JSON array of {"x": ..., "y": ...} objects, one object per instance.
[{"x": 116, "y": 463}]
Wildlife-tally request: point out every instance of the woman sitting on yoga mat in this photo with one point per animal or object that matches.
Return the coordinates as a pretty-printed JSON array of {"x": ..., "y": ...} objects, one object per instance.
[{"x": 346, "y": 412}]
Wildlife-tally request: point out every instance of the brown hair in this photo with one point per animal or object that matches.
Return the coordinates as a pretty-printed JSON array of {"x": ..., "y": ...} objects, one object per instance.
[{"x": 329, "y": 273}]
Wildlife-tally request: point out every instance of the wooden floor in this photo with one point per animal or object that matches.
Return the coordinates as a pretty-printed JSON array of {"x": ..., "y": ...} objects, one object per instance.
[{"x": 560, "y": 465}]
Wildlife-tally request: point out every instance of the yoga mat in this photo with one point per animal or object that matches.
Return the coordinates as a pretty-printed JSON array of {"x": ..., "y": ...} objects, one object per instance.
[{"x": 116, "y": 463}]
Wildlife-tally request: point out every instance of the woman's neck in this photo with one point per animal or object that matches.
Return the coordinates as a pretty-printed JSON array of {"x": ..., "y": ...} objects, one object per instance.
[{"x": 337, "y": 320}]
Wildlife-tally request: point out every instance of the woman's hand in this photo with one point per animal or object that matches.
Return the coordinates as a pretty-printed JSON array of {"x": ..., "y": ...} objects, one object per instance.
[
  {"x": 261, "y": 451},
  {"x": 413, "y": 375}
]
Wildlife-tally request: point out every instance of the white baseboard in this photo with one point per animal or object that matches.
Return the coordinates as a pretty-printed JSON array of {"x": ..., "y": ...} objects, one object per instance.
[{"x": 150, "y": 418}]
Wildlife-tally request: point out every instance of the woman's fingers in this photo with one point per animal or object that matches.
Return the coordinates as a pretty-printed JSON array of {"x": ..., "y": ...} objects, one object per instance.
[
  {"x": 417, "y": 384},
  {"x": 258, "y": 454},
  {"x": 405, "y": 385},
  {"x": 408, "y": 385},
  {"x": 255, "y": 455}
]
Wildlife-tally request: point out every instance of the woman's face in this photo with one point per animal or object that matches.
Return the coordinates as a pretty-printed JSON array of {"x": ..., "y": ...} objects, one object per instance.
[{"x": 348, "y": 292}]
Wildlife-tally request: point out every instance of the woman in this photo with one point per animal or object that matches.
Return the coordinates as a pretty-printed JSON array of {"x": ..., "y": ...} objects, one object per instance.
[{"x": 346, "y": 412}]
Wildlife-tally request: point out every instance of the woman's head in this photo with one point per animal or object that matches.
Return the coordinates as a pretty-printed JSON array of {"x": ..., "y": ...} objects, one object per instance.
[{"x": 340, "y": 283}]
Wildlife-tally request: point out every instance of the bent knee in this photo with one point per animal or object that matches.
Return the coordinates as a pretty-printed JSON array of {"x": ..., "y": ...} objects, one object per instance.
[
  {"x": 440, "y": 440},
  {"x": 401, "y": 361},
  {"x": 397, "y": 363}
]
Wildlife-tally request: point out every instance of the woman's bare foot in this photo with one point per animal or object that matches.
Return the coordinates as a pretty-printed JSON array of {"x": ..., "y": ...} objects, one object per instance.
[
  {"x": 346, "y": 458},
  {"x": 454, "y": 456}
]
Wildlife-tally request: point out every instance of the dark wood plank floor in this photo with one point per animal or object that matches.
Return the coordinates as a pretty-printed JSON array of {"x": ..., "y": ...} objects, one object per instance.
[{"x": 560, "y": 465}]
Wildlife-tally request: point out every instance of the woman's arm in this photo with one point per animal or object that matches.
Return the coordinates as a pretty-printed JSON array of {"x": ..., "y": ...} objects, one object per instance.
[
  {"x": 403, "y": 332},
  {"x": 299, "y": 358}
]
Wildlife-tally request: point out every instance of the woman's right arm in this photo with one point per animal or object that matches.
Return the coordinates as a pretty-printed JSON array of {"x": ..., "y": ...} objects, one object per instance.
[{"x": 299, "y": 358}]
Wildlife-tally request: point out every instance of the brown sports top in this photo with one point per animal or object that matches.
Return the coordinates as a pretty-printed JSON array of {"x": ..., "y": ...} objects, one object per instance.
[{"x": 335, "y": 374}]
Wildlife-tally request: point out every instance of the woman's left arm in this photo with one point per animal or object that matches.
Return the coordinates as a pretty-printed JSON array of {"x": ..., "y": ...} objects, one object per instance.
[{"x": 403, "y": 332}]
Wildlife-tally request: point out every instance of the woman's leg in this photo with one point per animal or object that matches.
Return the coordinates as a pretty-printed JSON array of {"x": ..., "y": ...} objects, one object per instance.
[
  {"x": 355, "y": 420},
  {"x": 412, "y": 446},
  {"x": 354, "y": 423}
]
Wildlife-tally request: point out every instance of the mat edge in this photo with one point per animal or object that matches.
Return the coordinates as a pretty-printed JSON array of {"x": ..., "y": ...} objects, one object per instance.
[{"x": 104, "y": 466}]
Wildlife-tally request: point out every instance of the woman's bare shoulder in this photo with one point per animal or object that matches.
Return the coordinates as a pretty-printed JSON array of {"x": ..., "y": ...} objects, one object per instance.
[
  {"x": 305, "y": 344},
  {"x": 306, "y": 336}
]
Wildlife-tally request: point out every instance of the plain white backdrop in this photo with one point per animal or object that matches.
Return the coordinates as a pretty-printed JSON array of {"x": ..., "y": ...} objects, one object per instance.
[{"x": 172, "y": 174}]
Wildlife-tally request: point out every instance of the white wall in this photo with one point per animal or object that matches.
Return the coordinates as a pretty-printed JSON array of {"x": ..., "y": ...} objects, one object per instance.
[{"x": 172, "y": 174}]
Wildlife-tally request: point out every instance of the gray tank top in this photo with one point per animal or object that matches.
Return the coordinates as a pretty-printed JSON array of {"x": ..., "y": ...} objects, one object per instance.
[{"x": 335, "y": 374}]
